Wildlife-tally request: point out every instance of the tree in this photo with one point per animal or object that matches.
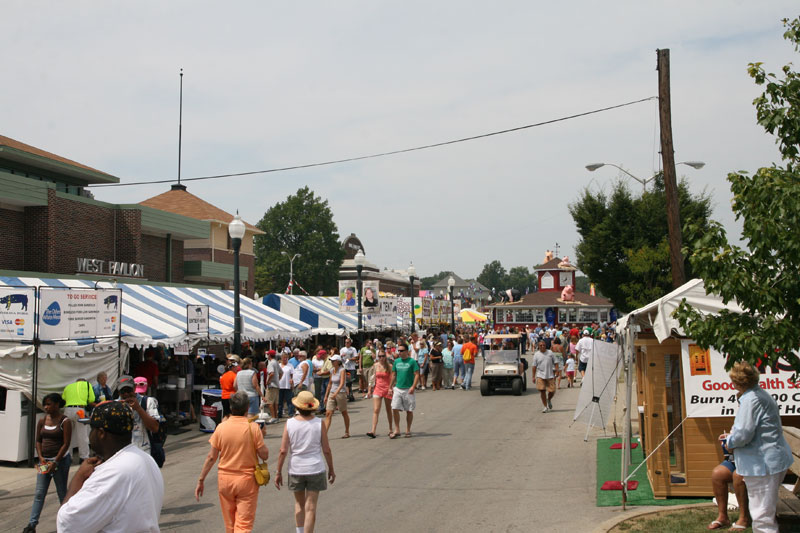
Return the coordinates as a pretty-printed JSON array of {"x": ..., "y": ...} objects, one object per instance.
[
  {"x": 520, "y": 278},
  {"x": 623, "y": 239},
  {"x": 427, "y": 282},
  {"x": 763, "y": 278},
  {"x": 493, "y": 276},
  {"x": 302, "y": 224}
]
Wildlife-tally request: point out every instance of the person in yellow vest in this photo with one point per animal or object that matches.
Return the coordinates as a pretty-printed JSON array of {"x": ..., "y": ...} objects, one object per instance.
[{"x": 79, "y": 399}]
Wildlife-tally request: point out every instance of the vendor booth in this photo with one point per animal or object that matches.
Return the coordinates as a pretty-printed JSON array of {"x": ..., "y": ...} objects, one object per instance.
[
  {"x": 320, "y": 312},
  {"x": 684, "y": 397},
  {"x": 148, "y": 315}
]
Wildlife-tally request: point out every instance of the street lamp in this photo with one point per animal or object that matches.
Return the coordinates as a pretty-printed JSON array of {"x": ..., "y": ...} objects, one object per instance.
[
  {"x": 359, "y": 259},
  {"x": 412, "y": 272},
  {"x": 236, "y": 230},
  {"x": 451, "y": 283},
  {"x": 594, "y": 166},
  {"x": 291, "y": 270}
]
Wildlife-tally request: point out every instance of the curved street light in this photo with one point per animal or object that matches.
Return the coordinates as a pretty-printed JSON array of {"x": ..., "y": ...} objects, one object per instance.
[
  {"x": 594, "y": 166},
  {"x": 291, "y": 270},
  {"x": 412, "y": 272},
  {"x": 450, "y": 284}
]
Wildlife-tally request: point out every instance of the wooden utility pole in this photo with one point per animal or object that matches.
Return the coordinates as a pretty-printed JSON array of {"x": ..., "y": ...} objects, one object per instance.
[{"x": 668, "y": 162}]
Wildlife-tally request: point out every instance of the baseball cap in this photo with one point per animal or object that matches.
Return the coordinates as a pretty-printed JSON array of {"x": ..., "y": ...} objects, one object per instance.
[
  {"x": 235, "y": 358},
  {"x": 141, "y": 384},
  {"x": 587, "y": 332},
  {"x": 125, "y": 381},
  {"x": 114, "y": 417},
  {"x": 271, "y": 352},
  {"x": 321, "y": 352},
  {"x": 336, "y": 357}
]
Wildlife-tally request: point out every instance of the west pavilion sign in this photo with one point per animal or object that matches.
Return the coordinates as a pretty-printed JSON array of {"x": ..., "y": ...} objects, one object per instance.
[{"x": 112, "y": 268}]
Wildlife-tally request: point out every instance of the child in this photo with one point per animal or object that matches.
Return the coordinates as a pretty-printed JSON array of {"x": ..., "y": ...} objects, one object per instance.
[{"x": 570, "y": 364}]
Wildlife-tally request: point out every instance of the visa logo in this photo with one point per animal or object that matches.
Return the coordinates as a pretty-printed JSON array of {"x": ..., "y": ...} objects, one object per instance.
[{"x": 7, "y": 322}]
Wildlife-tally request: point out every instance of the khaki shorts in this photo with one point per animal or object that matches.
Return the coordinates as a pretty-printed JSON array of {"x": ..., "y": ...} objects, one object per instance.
[
  {"x": 546, "y": 384},
  {"x": 369, "y": 375},
  {"x": 272, "y": 395},
  {"x": 315, "y": 482},
  {"x": 403, "y": 401},
  {"x": 340, "y": 401}
]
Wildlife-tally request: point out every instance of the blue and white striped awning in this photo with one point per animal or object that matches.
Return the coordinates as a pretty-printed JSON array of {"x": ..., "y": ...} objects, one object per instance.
[
  {"x": 320, "y": 312},
  {"x": 155, "y": 314}
]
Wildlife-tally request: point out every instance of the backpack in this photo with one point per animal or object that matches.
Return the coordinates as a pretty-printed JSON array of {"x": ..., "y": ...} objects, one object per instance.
[
  {"x": 158, "y": 438},
  {"x": 467, "y": 356}
]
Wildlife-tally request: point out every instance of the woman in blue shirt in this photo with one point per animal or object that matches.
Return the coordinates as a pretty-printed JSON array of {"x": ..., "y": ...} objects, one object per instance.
[{"x": 761, "y": 452}]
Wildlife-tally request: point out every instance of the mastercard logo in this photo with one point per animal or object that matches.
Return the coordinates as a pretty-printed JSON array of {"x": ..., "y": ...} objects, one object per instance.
[
  {"x": 19, "y": 321},
  {"x": 113, "y": 319}
]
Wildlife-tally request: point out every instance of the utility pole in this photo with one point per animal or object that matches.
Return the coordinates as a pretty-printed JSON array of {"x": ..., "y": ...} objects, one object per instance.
[{"x": 668, "y": 163}]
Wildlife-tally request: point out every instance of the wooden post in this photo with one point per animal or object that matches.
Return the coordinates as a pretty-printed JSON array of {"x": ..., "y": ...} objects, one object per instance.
[{"x": 668, "y": 160}]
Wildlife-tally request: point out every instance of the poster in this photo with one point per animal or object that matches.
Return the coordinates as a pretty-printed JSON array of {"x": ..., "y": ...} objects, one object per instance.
[
  {"x": 384, "y": 315},
  {"x": 17, "y": 308},
  {"x": 370, "y": 297},
  {"x": 196, "y": 318},
  {"x": 75, "y": 314},
  {"x": 347, "y": 297},
  {"x": 708, "y": 391}
]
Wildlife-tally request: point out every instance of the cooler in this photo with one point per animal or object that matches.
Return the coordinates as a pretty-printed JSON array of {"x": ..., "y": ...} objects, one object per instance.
[{"x": 210, "y": 409}]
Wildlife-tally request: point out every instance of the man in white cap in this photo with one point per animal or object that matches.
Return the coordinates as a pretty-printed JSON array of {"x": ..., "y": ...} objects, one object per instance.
[{"x": 584, "y": 348}]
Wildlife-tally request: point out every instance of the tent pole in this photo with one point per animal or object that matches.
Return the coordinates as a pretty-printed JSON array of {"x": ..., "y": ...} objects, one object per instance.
[
  {"x": 32, "y": 411},
  {"x": 589, "y": 424}
]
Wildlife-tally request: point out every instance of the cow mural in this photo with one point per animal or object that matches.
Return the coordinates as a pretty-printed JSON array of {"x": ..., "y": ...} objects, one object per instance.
[{"x": 21, "y": 299}]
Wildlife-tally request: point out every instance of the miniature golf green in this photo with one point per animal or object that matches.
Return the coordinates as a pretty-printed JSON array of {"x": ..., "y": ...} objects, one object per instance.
[{"x": 609, "y": 469}]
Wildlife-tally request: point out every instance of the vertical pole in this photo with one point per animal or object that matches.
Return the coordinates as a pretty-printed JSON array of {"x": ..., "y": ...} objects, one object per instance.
[
  {"x": 413, "y": 318},
  {"x": 452, "y": 313},
  {"x": 668, "y": 160},
  {"x": 237, "y": 320},
  {"x": 291, "y": 275},
  {"x": 32, "y": 412},
  {"x": 358, "y": 289},
  {"x": 180, "y": 128}
]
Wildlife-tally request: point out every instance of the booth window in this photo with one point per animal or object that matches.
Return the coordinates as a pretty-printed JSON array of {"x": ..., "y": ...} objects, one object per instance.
[
  {"x": 539, "y": 316},
  {"x": 524, "y": 315},
  {"x": 672, "y": 382},
  {"x": 562, "y": 315}
]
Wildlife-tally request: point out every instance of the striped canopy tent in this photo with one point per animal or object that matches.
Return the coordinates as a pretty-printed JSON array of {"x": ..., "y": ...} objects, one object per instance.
[
  {"x": 471, "y": 316},
  {"x": 320, "y": 312}
]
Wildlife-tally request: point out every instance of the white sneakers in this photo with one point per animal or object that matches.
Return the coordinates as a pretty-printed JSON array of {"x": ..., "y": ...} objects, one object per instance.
[{"x": 545, "y": 410}]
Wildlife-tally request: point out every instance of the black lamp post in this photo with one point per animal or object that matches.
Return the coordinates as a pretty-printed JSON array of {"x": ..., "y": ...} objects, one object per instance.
[
  {"x": 450, "y": 283},
  {"x": 359, "y": 259},
  {"x": 412, "y": 272},
  {"x": 236, "y": 230}
]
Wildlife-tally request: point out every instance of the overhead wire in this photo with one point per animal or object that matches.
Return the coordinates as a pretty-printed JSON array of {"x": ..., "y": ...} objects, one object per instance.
[{"x": 381, "y": 154}]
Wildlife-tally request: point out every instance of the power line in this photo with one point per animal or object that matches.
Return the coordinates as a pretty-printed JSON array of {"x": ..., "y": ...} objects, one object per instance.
[{"x": 383, "y": 154}]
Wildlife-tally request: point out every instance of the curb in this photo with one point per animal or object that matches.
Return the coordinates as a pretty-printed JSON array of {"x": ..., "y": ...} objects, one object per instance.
[{"x": 644, "y": 511}]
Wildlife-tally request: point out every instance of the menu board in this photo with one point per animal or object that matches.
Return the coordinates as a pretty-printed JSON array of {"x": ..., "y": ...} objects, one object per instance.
[
  {"x": 17, "y": 313},
  {"x": 76, "y": 314}
]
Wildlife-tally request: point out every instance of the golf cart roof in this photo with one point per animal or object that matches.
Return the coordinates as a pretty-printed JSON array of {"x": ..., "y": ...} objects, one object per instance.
[{"x": 503, "y": 336}]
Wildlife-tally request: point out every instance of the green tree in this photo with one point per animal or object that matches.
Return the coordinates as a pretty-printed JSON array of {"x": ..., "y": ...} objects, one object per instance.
[
  {"x": 494, "y": 276},
  {"x": 427, "y": 282},
  {"x": 763, "y": 278},
  {"x": 520, "y": 278},
  {"x": 303, "y": 224},
  {"x": 623, "y": 239}
]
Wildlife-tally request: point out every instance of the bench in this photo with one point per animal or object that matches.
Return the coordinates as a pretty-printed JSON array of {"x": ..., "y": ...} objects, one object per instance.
[{"x": 788, "y": 508}]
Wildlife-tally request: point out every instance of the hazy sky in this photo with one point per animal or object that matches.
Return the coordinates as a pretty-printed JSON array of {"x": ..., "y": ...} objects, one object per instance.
[{"x": 274, "y": 84}]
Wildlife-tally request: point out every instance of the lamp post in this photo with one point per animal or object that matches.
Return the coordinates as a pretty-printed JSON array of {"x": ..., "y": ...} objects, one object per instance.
[
  {"x": 594, "y": 166},
  {"x": 236, "y": 230},
  {"x": 450, "y": 284},
  {"x": 412, "y": 272},
  {"x": 359, "y": 259},
  {"x": 291, "y": 270}
]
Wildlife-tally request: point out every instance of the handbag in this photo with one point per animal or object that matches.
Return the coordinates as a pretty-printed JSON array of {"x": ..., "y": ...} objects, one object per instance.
[{"x": 261, "y": 470}]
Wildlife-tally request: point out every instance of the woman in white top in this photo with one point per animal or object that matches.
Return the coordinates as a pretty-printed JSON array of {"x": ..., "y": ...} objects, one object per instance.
[
  {"x": 336, "y": 395},
  {"x": 247, "y": 381},
  {"x": 305, "y": 440}
]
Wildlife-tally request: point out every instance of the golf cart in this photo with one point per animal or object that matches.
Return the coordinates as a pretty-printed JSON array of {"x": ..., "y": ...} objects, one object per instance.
[{"x": 503, "y": 366}]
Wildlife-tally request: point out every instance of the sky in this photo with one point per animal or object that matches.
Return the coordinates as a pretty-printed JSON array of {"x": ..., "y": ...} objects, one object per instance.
[{"x": 275, "y": 84}]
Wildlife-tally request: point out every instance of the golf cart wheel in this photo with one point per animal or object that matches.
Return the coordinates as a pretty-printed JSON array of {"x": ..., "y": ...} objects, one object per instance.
[
  {"x": 516, "y": 387},
  {"x": 485, "y": 389}
]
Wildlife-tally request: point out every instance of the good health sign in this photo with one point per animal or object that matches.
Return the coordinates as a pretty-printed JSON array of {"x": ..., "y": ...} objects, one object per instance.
[
  {"x": 75, "y": 314},
  {"x": 708, "y": 391},
  {"x": 17, "y": 307}
]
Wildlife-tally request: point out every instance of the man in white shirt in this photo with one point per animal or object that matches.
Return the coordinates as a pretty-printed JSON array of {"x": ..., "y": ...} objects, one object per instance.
[
  {"x": 585, "y": 347},
  {"x": 286, "y": 384},
  {"x": 350, "y": 356},
  {"x": 302, "y": 377},
  {"x": 121, "y": 490},
  {"x": 542, "y": 370},
  {"x": 274, "y": 373}
]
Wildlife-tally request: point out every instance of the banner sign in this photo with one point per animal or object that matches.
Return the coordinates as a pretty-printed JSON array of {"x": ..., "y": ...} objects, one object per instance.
[
  {"x": 17, "y": 313},
  {"x": 75, "y": 314},
  {"x": 708, "y": 391},
  {"x": 347, "y": 297},
  {"x": 384, "y": 315},
  {"x": 196, "y": 318}
]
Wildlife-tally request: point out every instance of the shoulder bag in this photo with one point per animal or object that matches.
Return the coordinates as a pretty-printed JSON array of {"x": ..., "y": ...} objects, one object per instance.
[{"x": 261, "y": 470}]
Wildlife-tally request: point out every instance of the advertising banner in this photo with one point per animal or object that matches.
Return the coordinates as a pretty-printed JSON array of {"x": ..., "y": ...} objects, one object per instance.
[
  {"x": 17, "y": 308},
  {"x": 196, "y": 318},
  {"x": 75, "y": 314},
  {"x": 370, "y": 297},
  {"x": 384, "y": 315},
  {"x": 708, "y": 391},
  {"x": 347, "y": 297},
  {"x": 427, "y": 310}
]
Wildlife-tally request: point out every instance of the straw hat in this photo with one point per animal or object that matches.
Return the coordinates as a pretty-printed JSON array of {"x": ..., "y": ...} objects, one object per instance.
[{"x": 306, "y": 401}]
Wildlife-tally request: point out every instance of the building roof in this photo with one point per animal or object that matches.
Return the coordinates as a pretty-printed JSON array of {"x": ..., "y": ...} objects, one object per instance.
[
  {"x": 553, "y": 264},
  {"x": 553, "y": 298},
  {"x": 17, "y": 146},
  {"x": 182, "y": 202}
]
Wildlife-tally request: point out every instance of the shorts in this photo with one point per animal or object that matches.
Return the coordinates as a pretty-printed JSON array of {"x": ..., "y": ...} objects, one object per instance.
[
  {"x": 340, "y": 401},
  {"x": 582, "y": 367},
  {"x": 546, "y": 384},
  {"x": 570, "y": 373},
  {"x": 272, "y": 395},
  {"x": 436, "y": 372},
  {"x": 403, "y": 401},
  {"x": 423, "y": 368},
  {"x": 313, "y": 482},
  {"x": 226, "y": 407},
  {"x": 730, "y": 465},
  {"x": 368, "y": 373}
]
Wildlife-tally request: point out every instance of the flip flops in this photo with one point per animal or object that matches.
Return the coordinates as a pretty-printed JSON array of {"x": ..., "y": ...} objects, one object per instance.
[
  {"x": 716, "y": 524},
  {"x": 346, "y": 436},
  {"x": 393, "y": 435},
  {"x": 371, "y": 435},
  {"x": 407, "y": 435}
]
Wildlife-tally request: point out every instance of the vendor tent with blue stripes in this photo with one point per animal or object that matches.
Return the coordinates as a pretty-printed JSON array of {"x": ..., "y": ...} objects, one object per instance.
[{"x": 320, "y": 312}]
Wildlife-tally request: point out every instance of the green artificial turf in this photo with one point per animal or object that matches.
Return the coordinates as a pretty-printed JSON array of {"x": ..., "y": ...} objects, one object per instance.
[{"x": 609, "y": 469}]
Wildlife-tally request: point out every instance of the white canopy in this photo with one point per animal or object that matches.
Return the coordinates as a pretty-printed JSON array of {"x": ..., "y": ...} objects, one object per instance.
[{"x": 658, "y": 314}]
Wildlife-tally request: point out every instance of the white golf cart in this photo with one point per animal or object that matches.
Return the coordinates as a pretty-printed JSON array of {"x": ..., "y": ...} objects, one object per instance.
[{"x": 503, "y": 365}]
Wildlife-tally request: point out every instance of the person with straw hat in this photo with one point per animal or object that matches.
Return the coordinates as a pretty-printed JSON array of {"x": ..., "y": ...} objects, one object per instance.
[{"x": 305, "y": 442}]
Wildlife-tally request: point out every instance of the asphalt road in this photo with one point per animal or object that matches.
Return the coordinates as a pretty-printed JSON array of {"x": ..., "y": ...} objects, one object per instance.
[{"x": 474, "y": 464}]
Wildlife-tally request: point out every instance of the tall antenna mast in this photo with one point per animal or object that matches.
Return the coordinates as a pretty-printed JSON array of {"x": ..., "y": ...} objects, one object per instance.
[
  {"x": 557, "y": 250},
  {"x": 180, "y": 134}
]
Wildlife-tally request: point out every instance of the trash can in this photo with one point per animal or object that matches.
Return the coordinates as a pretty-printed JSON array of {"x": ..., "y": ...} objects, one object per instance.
[{"x": 210, "y": 410}]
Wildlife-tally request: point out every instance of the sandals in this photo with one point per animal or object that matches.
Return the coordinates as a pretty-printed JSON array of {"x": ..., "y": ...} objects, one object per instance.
[
  {"x": 739, "y": 527},
  {"x": 716, "y": 524},
  {"x": 346, "y": 436},
  {"x": 371, "y": 435},
  {"x": 407, "y": 435},
  {"x": 393, "y": 435}
]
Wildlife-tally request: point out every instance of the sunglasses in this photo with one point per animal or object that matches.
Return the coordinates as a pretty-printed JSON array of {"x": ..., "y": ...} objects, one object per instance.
[
  {"x": 401, "y": 351},
  {"x": 381, "y": 357}
]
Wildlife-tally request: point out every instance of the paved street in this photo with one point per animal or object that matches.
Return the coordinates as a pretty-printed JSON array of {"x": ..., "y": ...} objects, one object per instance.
[{"x": 474, "y": 464}]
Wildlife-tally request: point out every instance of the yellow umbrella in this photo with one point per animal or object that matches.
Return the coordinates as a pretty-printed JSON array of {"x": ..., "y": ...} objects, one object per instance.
[{"x": 471, "y": 315}]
